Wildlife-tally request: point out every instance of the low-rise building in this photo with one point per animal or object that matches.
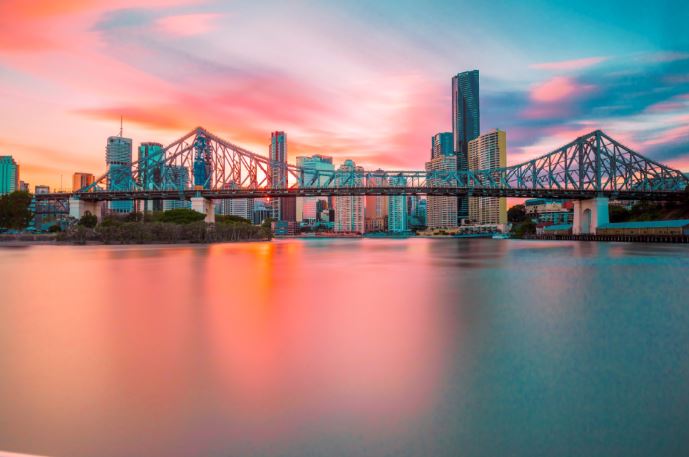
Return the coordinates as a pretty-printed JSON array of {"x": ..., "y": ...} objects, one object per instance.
[
  {"x": 672, "y": 228},
  {"x": 558, "y": 229}
]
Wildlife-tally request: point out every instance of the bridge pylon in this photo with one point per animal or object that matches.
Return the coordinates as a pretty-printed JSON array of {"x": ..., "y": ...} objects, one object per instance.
[
  {"x": 589, "y": 215},
  {"x": 78, "y": 207},
  {"x": 205, "y": 206}
]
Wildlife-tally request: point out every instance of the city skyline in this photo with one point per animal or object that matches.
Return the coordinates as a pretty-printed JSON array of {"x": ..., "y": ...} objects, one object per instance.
[{"x": 72, "y": 69}]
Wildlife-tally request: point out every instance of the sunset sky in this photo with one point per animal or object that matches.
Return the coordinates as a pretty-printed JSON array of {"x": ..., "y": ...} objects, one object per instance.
[{"x": 352, "y": 79}]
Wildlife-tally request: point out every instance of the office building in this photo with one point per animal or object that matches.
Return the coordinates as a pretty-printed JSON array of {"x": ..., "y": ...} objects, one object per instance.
[
  {"x": 118, "y": 158},
  {"x": 81, "y": 180},
  {"x": 177, "y": 178},
  {"x": 466, "y": 123},
  {"x": 487, "y": 152},
  {"x": 41, "y": 190},
  {"x": 442, "y": 145},
  {"x": 318, "y": 169},
  {"x": 242, "y": 207},
  {"x": 23, "y": 186},
  {"x": 441, "y": 211},
  {"x": 262, "y": 211},
  {"x": 151, "y": 172},
  {"x": 397, "y": 207},
  {"x": 376, "y": 206},
  {"x": 283, "y": 208},
  {"x": 9, "y": 175},
  {"x": 349, "y": 210}
]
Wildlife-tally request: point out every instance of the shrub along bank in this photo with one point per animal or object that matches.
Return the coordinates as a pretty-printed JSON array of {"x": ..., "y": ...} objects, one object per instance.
[{"x": 181, "y": 226}]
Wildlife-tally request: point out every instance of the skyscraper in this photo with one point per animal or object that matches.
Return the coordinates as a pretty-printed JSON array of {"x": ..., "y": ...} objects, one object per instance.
[
  {"x": 176, "y": 178},
  {"x": 118, "y": 158},
  {"x": 81, "y": 180},
  {"x": 466, "y": 123},
  {"x": 284, "y": 208},
  {"x": 441, "y": 211},
  {"x": 441, "y": 145},
  {"x": 9, "y": 175},
  {"x": 349, "y": 210},
  {"x": 151, "y": 171},
  {"x": 242, "y": 207},
  {"x": 486, "y": 152},
  {"x": 397, "y": 207},
  {"x": 318, "y": 169},
  {"x": 376, "y": 213}
]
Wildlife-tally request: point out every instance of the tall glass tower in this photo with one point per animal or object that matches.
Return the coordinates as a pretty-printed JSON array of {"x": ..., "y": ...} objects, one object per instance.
[
  {"x": 118, "y": 158},
  {"x": 284, "y": 208},
  {"x": 466, "y": 123}
]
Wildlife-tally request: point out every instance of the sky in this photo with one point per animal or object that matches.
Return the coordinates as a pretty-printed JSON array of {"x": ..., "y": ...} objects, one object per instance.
[{"x": 364, "y": 80}]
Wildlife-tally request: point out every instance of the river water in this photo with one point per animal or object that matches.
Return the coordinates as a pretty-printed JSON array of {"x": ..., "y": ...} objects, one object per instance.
[{"x": 345, "y": 348}]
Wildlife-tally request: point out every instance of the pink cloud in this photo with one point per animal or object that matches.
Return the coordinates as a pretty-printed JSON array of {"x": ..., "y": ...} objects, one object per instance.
[
  {"x": 568, "y": 65},
  {"x": 188, "y": 24},
  {"x": 557, "y": 89}
]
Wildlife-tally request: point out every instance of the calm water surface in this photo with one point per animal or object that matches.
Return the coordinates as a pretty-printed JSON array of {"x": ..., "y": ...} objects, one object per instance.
[{"x": 345, "y": 347}]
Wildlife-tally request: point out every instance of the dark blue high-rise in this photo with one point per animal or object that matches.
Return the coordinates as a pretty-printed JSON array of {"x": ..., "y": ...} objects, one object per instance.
[{"x": 466, "y": 123}]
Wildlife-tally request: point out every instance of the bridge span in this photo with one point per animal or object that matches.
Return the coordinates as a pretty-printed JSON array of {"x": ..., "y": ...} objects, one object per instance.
[{"x": 202, "y": 167}]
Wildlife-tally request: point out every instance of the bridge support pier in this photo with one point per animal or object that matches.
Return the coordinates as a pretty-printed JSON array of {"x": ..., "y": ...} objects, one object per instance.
[
  {"x": 77, "y": 208},
  {"x": 589, "y": 215},
  {"x": 205, "y": 206}
]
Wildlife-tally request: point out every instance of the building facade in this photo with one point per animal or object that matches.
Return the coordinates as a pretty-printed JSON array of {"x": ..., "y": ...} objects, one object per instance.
[
  {"x": 442, "y": 144},
  {"x": 118, "y": 158},
  {"x": 9, "y": 175},
  {"x": 178, "y": 178},
  {"x": 466, "y": 123},
  {"x": 283, "y": 208},
  {"x": 308, "y": 207},
  {"x": 81, "y": 180},
  {"x": 397, "y": 208},
  {"x": 41, "y": 189},
  {"x": 151, "y": 172},
  {"x": 349, "y": 210},
  {"x": 441, "y": 211},
  {"x": 488, "y": 151},
  {"x": 376, "y": 212}
]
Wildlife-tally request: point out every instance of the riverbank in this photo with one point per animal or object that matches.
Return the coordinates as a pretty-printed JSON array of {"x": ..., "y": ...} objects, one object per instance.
[{"x": 672, "y": 239}]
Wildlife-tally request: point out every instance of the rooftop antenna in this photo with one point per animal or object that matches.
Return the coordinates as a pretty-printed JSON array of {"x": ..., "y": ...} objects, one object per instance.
[{"x": 120, "y": 126}]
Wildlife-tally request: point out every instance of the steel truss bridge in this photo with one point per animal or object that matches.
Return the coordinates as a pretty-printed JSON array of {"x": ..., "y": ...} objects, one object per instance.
[{"x": 200, "y": 164}]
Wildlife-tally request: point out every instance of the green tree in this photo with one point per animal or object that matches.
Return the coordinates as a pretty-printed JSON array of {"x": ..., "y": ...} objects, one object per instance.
[
  {"x": 88, "y": 220},
  {"x": 14, "y": 210},
  {"x": 230, "y": 219},
  {"x": 526, "y": 227},
  {"x": 182, "y": 216},
  {"x": 516, "y": 214}
]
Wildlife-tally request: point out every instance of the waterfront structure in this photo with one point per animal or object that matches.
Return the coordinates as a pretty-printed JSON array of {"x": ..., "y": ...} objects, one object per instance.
[
  {"x": 283, "y": 208},
  {"x": 549, "y": 211},
  {"x": 397, "y": 207},
  {"x": 376, "y": 211},
  {"x": 118, "y": 157},
  {"x": 441, "y": 211},
  {"x": 349, "y": 210},
  {"x": 178, "y": 176},
  {"x": 671, "y": 227},
  {"x": 81, "y": 180},
  {"x": 9, "y": 175},
  {"x": 442, "y": 144},
  {"x": 612, "y": 170},
  {"x": 41, "y": 189},
  {"x": 488, "y": 152},
  {"x": 466, "y": 123},
  {"x": 307, "y": 208}
]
